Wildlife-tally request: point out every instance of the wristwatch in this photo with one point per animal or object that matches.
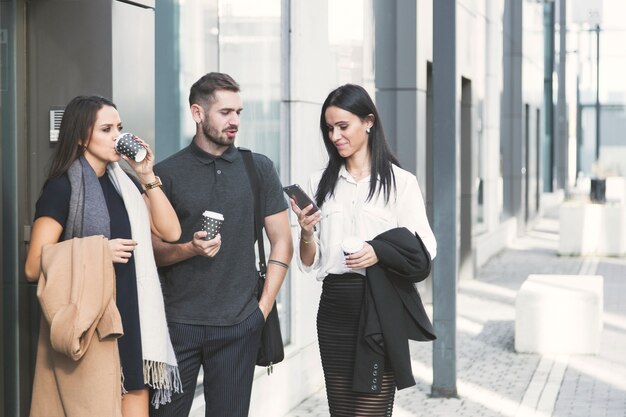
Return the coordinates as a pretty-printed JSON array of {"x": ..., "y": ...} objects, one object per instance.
[{"x": 156, "y": 183}]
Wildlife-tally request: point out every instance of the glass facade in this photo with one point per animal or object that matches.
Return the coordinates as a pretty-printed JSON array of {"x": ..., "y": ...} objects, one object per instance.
[
  {"x": 249, "y": 50},
  {"x": 352, "y": 45},
  {"x": 286, "y": 55},
  {"x": 243, "y": 39},
  {"x": 198, "y": 48}
]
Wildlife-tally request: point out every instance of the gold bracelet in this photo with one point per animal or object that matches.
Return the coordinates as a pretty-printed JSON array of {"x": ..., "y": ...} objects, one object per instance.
[
  {"x": 156, "y": 183},
  {"x": 306, "y": 242}
]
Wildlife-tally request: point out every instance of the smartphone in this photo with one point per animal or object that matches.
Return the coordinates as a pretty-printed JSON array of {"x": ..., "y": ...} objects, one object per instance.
[{"x": 299, "y": 196}]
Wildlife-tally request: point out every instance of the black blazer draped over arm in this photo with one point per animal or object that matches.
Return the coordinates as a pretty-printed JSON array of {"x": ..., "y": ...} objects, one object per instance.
[{"x": 392, "y": 311}]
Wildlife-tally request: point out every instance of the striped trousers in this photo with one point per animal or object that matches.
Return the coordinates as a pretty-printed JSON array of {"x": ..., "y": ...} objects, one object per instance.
[{"x": 227, "y": 355}]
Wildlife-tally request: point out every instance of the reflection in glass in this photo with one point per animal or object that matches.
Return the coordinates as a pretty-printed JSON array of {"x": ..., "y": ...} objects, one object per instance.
[
  {"x": 352, "y": 44},
  {"x": 243, "y": 39},
  {"x": 198, "y": 47},
  {"x": 249, "y": 50}
]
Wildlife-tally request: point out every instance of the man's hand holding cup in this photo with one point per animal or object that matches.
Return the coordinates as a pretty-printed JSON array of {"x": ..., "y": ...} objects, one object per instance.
[
  {"x": 207, "y": 242},
  {"x": 203, "y": 247}
]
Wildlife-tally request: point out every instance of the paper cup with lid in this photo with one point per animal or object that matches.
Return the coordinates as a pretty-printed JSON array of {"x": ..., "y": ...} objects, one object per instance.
[
  {"x": 351, "y": 244},
  {"x": 211, "y": 223},
  {"x": 126, "y": 144}
]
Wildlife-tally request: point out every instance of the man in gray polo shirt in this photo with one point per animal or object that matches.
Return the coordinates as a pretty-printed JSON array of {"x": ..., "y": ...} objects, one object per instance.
[{"x": 209, "y": 287}]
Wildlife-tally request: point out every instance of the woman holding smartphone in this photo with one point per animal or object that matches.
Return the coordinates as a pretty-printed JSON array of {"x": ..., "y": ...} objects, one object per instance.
[{"x": 362, "y": 193}]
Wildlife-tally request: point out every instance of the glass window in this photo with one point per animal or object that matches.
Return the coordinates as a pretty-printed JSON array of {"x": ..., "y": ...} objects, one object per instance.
[
  {"x": 199, "y": 53},
  {"x": 249, "y": 50},
  {"x": 241, "y": 38},
  {"x": 352, "y": 44}
]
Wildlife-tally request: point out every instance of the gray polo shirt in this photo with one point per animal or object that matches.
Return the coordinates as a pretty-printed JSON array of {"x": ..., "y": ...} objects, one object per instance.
[{"x": 217, "y": 291}]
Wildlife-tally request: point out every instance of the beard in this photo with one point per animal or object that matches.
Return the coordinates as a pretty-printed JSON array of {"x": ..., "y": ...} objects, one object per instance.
[{"x": 215, "y": 136}]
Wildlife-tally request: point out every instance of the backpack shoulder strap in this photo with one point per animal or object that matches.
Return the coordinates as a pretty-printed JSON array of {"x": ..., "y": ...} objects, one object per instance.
[{"x": 253, "y": 177}]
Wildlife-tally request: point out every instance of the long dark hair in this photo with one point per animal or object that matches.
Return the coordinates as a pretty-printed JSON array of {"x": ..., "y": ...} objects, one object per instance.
[
  {"x": 77, "y": 125},
  {"x": 354, "y": 98}
]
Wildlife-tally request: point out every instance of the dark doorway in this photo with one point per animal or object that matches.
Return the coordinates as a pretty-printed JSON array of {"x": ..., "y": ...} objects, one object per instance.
[{"x": 468, "y": 178}]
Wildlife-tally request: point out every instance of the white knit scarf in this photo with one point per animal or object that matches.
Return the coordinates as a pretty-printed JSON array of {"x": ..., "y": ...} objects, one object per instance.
[{"x": 160, "y": 369}]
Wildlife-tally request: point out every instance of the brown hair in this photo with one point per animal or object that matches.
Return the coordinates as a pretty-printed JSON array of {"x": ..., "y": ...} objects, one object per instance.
[
  {"x": 76, "y": 126},
  {"x": 202, "y": 92}
]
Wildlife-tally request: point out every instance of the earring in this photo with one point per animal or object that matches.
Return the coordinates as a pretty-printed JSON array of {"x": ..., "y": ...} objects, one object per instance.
[{"x": 367, "y": 129}]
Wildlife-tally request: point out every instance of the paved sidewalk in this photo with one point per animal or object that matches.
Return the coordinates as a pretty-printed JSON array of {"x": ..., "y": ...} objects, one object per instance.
[{"x": 493, "y": 380}]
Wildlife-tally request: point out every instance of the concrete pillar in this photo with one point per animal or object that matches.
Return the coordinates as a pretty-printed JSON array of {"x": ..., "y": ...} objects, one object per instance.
[
  {"x": 445, "y": 197},
  {"x": 396, "y": 76},
  {"x": 167, "y": 77},
  {"x": 491, "y": 123},
  {"x": 400, "y": 98},
  {"x": 548, "y": 119},
  {"x": 512, "y": 142},
  {"x": 561, "y": 142}
]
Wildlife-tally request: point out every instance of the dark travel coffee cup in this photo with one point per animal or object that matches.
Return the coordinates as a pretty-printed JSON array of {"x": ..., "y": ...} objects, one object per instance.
[
  {"x": 125, "y": 144},
  {"x": 211, "y": 223}
]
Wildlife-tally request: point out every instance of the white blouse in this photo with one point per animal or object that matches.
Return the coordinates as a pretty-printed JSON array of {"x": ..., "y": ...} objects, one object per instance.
[{"x": 347, "y": 213}]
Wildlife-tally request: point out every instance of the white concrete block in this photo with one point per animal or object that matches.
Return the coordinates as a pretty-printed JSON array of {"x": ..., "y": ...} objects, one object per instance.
[
  {"x": 592, "y": 229},
  {"x": 559, "y": 314},
  {"x": 616, "y": 189}
]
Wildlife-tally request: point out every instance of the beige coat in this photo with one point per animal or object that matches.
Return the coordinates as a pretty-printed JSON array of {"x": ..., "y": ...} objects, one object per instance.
[{"x": 77, "y": 375}]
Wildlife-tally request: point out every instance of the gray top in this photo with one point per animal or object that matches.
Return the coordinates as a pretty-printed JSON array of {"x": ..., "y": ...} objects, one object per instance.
[{"x": 219, "y": 291}]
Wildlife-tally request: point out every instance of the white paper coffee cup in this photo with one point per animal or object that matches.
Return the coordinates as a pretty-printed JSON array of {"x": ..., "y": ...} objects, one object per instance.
[
  {"x": 126, "y": 144},
  {"x": 211, "y": 223},
  {"x": 351, "y": 244}
]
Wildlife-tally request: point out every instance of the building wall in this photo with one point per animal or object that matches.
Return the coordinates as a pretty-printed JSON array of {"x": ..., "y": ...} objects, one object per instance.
[
  {"x": 11, "y": 23},
  {"x": 485, "y": 67},
  {"x": 321, "y": 57},
  {"x": 480, "y": 37},
  {"x": 70, "y": 52},
  {"x": 318, "y": 46}
]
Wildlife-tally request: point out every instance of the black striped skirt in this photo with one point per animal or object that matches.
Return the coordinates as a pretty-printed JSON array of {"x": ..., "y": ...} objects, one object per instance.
[{"x": 337, "y": 330}]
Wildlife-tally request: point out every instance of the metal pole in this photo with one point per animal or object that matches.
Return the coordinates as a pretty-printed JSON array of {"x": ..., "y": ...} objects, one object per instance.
[
  {"x": 579, "y": 128},
  {"x": 445, "y": 197},
  {"x": 561, "y": 145},
  {"x": 597, "y": 30},
  {"x": 548, "y": 68}
]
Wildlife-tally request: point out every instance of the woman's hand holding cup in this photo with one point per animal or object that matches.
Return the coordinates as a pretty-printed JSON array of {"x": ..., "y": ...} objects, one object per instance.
[
  {"x": 358, "y": 253},
  {"x": 138, "y": 154}
]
